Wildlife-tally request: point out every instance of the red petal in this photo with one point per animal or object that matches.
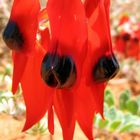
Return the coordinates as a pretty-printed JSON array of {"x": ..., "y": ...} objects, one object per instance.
[
  {"x": 98, "y": 95},
  {"x": 51, "y": 120},
  {"x": 124, "y": 19},
  {"x": 99, "y": 40},
  {"x": 36, "y": 94},
  {"x": 19, "y": 61},
  {"x": 99, "y": 45},
  {"x": 90, "y": 6},
  {"x": 107, "y": 11},
  {"x": 97, "y": 90},
  {"x": 102, "y": 30},
  {"x": 120, "y": 45},
  {"x": 64, "y": 107},
  {"x": 133, "y": 49},
  {"x": 85, "y": 109},
  {"x": 137, "y": 32},
  {"x": 93, "y": 17},
  {"x": 25, "y": 13},
  {"x": 68, "y": 25}
]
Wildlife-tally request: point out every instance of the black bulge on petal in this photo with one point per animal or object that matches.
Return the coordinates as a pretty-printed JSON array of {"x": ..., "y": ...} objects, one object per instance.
[
  {"x": 105, "y": 69},
  {"x": 12, "y": 36},
  {"x": 58, "y": 71}
]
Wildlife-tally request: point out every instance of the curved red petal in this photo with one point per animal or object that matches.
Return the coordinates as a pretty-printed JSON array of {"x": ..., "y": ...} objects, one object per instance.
[
  {"x": 107, "y": 11},
  {"x": 37, "y": 96},
  {"x": 99, "y": 38},
  {"x": 51, "y": 120},
  {"x": 68, "y": 26},
  {"x": 25, "y": 13},
  {"x": 99, "y": 45},
  {"x": 101, "y": 28},
  {"x": 64, "y": 107},
  {"x": 85, "y": 108},
  {"x": 19, "y": 61},
  {"x": 96, "y": 89},
  {"x": 98, "y": 95}
]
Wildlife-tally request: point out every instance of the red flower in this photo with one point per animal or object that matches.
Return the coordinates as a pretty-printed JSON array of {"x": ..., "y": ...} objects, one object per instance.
[
  {"x": 66, "y": 71},
  {"x": 20, "y": 35},
  {"x": 127, "y": 41}
]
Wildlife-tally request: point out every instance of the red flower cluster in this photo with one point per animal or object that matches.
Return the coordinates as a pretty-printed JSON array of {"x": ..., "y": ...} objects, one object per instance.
[
  {"x": 63, "y": 58},
  {"x": 128, "y": 38}
]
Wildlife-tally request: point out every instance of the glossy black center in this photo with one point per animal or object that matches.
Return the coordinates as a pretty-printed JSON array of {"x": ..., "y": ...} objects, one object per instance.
[
  {"x": 58, "y": 71},
  {"x": 12, "y": 36},
  {"x": 106, "y": 68}
]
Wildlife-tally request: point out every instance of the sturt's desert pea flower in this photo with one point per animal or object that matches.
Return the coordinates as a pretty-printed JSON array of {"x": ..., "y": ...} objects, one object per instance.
[
  {"x": 63, "y": 59},
  {"x": 20, "y": 35},
  {"x": 128, "y": 38}
]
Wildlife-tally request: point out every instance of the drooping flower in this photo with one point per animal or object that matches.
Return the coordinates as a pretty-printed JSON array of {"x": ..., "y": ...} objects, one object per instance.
[
  {"x": 100, "y": 66},
  {"x": 20, "y": 35},
  {"x": 127, "y": 39},
  {"x": 67, "y": 69}
]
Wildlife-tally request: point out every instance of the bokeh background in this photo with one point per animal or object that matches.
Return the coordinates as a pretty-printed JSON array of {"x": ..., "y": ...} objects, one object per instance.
[{"x": 122, "y": 95}]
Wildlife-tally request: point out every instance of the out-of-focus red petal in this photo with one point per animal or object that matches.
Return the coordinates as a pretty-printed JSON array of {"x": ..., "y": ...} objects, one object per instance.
[
  {"x": 90, "y": 6},
  {"x": 85, "y": 108},
  {"x": 19, "y": 61},
  {"x": 64, "y": 107},
  {"x": 120, "y": 45},
  {"x": 68, "y": 25},
  {"x": 137, "y": 32},
  {"x": 51, "y": 120},
  {"x": 133, "y": 49},
  {"x": 127, "y": 45},
  {"x": 124, "y": 19},
  {"x": 37, "y": 96}
]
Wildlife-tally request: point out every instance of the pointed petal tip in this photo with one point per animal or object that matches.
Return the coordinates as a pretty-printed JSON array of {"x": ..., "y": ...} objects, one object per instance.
[
  {"x": 51, "y": 120},
  {"x": 27, "y": 125},
  {"x": 14, "y": 89},
  {"x": 51, "y": 132}
]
